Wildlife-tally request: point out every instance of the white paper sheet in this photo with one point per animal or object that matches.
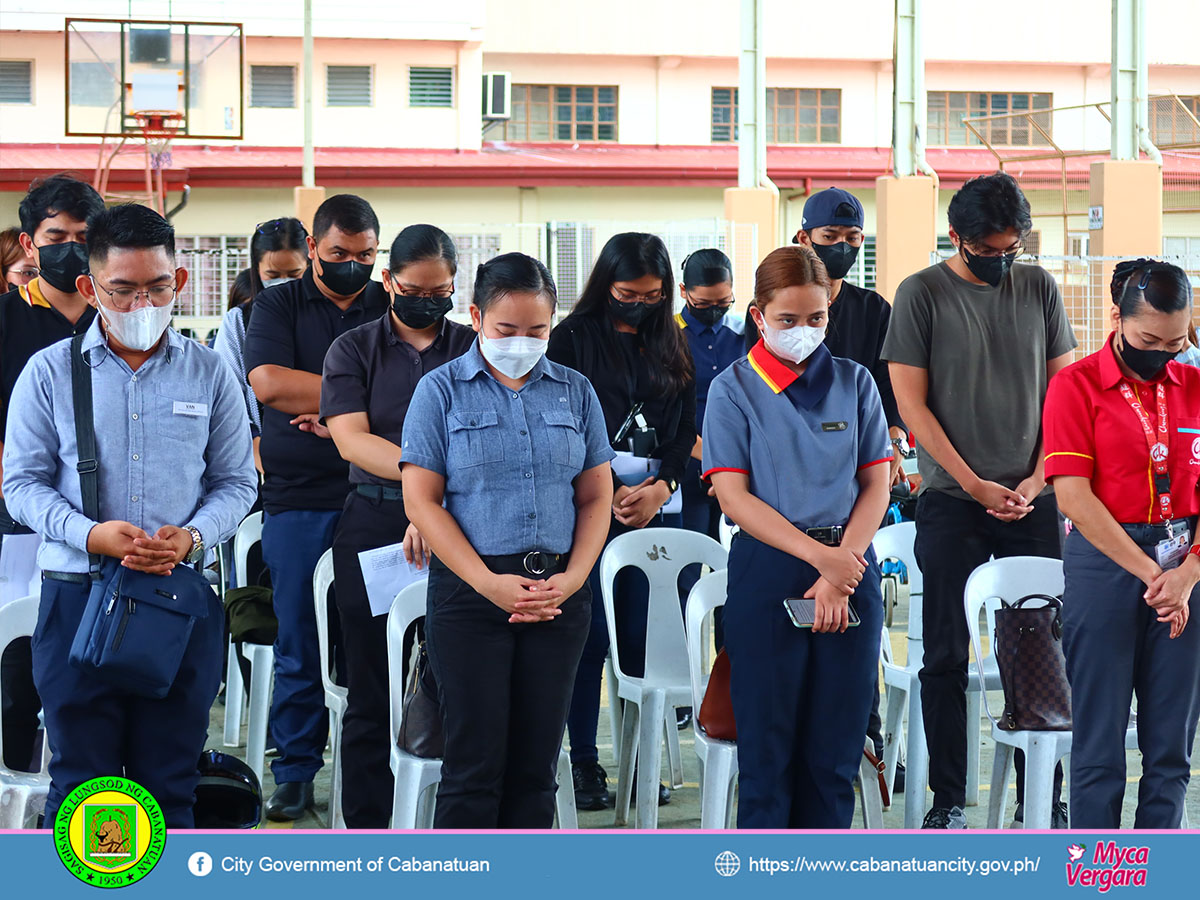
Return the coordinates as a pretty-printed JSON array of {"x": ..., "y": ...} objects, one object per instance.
[
  {"x": 385, "y": 573},
  {"x": 633, "y": 470}
]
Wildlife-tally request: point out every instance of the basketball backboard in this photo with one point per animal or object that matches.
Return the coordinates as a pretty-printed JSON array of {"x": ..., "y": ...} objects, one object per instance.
[{"x": 189, "y": 73}]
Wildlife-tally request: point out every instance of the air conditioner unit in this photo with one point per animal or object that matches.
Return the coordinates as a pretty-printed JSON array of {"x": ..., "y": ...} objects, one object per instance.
[{"x": 497, "y": 95}]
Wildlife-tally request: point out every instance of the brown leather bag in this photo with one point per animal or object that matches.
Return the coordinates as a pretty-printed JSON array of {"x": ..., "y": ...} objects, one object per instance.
[
  {"x": 716, "y": 711},
  {"x": 1033, "y": 671},
  {"x": 421, "y": 726}
]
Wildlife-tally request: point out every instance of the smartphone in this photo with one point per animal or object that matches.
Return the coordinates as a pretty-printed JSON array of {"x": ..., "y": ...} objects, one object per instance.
[{"x": 803, "y": 612}]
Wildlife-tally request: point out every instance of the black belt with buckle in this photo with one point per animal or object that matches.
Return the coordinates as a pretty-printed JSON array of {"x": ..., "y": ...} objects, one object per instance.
[
  {"x": 830, "y": 536},
  {"x": 535, "y": 562},
  {"x": 69, "y": 577},
  {"x": 379, "y": 492}
]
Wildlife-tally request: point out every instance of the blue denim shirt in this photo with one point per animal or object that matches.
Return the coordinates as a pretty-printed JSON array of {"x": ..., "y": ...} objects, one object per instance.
[
  {"x": 509, "y": 457},
  {"x": 172, "y": 441}
]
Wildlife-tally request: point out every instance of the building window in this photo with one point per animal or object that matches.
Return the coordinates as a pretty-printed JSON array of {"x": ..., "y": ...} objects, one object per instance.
[
  {"x": 16, "y": 81},
  {"x": 347, "y": 85},
  {"x": 473, "y": 250},
  {"x": 724, "y": 114},
  {"x": 1170, "y": 122},
  {"x": 947, "y": 109},
  {"x": 804, "y": 116},
  {"x": 562, "y": 113},
  {"x": 273, "y": 87},
  {"x": 430, "y": 86}
]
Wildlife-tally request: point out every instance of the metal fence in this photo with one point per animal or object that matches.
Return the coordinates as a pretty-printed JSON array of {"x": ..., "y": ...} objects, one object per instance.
[{"x": 1085, "y": 285}]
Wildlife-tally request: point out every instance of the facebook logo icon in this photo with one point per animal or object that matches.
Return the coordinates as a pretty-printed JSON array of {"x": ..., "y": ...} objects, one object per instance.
[{"x": 200, "y": 864}]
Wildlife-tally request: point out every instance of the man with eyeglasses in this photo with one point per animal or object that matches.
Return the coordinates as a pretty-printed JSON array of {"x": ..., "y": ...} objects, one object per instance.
[
  {"x": 305, "y": 478},
  {"x": 175, "y": 477},
  {"x": 972, "y": 346},
  {"x": 34, "y": 315}
]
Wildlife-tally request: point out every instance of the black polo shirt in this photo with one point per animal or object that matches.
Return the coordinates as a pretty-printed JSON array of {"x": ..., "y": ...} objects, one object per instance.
[
  {"x": 29, "y": 323},
  {"x": 370, "y": 369},
  {"x": 293, "y": 326}
]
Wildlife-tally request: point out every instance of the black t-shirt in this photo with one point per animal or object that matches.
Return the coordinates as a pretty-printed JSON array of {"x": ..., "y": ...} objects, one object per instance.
[
  {"x": 293, "y": 326},
  {"x": 858, "y": 325},
  {"x": 370, "y": 369},
  {"x": 27, "y": 326},
  {"x": 619, "y": 372}
]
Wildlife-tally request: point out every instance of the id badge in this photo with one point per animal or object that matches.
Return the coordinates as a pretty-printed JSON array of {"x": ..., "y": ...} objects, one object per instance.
[{"x": 1171, "y": 552}]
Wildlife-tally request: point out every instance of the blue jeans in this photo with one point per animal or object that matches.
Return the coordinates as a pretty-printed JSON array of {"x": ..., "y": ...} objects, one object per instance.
[{"x": 293, "y": 542}]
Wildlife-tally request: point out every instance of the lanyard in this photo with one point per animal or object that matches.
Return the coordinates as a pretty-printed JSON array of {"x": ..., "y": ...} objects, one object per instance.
[{"x": 1159, "y": 450}]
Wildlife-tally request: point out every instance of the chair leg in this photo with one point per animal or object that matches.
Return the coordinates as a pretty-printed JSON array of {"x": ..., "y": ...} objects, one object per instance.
[
  {"x": 649, "y": 757},
  {"x": 564, "y": 797},
  {"x": 262, "y": 678},
  {"x": 714, "y": 790},
  {"x": 1001, "y": 767},
  {"x": 916, "y": 775},
  {"x": 629, "y": 742},
  {"x": 892, "y": 733},
  {"x": 235, "y": 697},
  {"x": 336, "y": 819},
  {"x": 614, "y": 709},
  {"x": 871, "y": 799},
  {"x": 674, "y": 754},
  {"x": 1039, "y": 782},
  {"x": 974, "y": 729},
  {"x": 426, "y": 806}
]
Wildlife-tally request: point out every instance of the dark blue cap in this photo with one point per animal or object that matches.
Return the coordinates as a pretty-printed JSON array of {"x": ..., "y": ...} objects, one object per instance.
[{"x": 832, "y": 206}]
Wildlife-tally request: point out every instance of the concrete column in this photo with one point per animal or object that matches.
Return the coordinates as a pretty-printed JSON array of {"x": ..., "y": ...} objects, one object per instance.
[
  {"x": 307, "y": 199},
  {"x": 468, "y": 95},
  {"x": 758, "y": 207},
  {"x": 906, "y": 228}
]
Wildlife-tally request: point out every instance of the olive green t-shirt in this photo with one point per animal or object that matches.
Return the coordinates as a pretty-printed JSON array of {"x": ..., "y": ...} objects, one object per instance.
[{"x": 986, "y": 350}]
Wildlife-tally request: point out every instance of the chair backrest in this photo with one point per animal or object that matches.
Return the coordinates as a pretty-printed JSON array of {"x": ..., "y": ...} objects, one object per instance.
[
  {"x": 248, "y": 534},
  {"x": 896, "y": 542},
  {"x": 707, "y": 594},
  {"x": 661, "y": 553},
  {"x": 322, "y": 582},
  {"x": 727, "y": 530},
  {"x": 1009, "y": 580},
  {"x": 18, "y": 619},
  {"x": 407, "y": 607}
]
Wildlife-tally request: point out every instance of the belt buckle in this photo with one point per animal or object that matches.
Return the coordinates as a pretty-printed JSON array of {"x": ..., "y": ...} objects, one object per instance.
[{"x": 536, "y": 562}]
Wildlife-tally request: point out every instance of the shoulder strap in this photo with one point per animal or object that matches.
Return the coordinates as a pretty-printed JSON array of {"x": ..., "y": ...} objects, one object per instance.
[{"x": 85, "y": 438}]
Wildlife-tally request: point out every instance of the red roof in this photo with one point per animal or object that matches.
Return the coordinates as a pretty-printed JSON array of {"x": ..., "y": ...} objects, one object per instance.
[{"x": 531, "y": 165}]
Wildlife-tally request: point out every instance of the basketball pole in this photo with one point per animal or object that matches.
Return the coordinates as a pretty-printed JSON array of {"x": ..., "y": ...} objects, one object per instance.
[{"x": 308, "y": 196}]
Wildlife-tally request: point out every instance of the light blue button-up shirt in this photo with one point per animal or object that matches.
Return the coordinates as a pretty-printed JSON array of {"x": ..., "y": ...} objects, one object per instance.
[
  {"x": 172, "y": 443},
  {"x": 509, "y": 457}
]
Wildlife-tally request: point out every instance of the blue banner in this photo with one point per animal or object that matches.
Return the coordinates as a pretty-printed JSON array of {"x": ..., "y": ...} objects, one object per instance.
[{"x": 290, "y": 865}]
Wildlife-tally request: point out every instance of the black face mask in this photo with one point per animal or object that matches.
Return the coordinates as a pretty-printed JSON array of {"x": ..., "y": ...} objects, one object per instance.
[
  {"x": 709, "y": 315},
  {"x": 989, "y": 269},
  {"x": 345, "y": 278},
  {"x": 1145, "y": 364},
  {"x": 421, "y": 312},
  {"x": 630, "y": 313},
  {"x": 838, "y": 258},
  {"x": 60, "y": 264}
]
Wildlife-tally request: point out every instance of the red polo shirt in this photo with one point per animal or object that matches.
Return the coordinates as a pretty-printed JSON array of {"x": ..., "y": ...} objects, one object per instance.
[{"x": 1090, "y": 430}]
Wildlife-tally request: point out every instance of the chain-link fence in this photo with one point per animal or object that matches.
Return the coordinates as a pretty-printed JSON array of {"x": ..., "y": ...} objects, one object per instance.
[{"x": 1085, "y": 283}]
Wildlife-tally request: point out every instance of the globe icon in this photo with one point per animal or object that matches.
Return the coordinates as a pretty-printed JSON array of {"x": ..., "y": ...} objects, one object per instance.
[{"x": 727, "y": 863}]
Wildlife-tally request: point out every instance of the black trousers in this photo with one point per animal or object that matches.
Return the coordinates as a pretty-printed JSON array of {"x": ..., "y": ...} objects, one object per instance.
[
  {"x": 366, "y": 774},
  {"x": 504, "y": 692},
  {"x": 954, "y": 537}
]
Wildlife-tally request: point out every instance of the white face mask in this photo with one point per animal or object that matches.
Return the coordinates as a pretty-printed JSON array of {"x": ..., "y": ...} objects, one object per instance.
[
  {"x": 794, "y": 344},
  {"x": 512, "y": 356},
  {"x": 271, "y": 282},
  {"x": 138, "y": 329}
]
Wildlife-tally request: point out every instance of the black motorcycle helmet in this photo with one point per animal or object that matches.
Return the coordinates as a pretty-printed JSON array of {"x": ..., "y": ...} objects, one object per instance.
[{"x": 228, "y": 794}]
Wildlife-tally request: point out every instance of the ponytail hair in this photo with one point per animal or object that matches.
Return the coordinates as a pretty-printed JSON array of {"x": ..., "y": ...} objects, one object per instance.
[{"x": 1161, "y": 285}]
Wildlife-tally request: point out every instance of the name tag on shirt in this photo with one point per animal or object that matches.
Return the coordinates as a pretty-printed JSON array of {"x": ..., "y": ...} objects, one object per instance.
[
  {"x": 1170, "y": 553},
  {"x": 833, "y": 426},
  {"x": 183, "y": 408}
]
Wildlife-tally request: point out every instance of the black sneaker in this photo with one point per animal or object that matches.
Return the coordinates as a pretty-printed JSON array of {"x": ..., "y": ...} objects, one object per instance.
[
  {"x": 683, "y": 717},
  {"x": 898, "y": 780},
  {"x": 1058, "y": 816},
  {"x": 1018, "y": 817},
  {"x": 664, "y": 792},
  {"x": 953, "y": 818},
  {"x": 591, "y": 786}
]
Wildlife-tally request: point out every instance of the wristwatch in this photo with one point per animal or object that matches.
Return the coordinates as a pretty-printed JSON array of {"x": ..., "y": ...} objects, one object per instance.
[
  {"x": 197, "y": 551},
  {"x": 671, "y": 484}
]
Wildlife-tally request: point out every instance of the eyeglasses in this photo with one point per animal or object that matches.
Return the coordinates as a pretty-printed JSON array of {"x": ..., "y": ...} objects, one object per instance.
[
  {"x": 631, "y": 296},
  {"x": 22, "y": 273},
  {"x": 436, "y": 295},
  {"x": 723, "y": 303},
  {"x": 992, "y": 253},
  {"x": 123, "y": 299}
]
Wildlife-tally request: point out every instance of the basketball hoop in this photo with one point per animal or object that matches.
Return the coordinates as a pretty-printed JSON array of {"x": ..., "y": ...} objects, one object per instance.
[{"x": 158, "y": 128}]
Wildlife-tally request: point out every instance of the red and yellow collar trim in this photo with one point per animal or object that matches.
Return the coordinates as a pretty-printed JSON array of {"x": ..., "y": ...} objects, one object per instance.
[
  {"x": 777, "y": 376},
  {"x": 32, "y": 294}
]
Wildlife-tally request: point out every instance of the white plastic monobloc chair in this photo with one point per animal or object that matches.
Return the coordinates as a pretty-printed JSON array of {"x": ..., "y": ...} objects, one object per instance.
[
  {"x": 262, "y": 665},
  {"x": 335, "y": 694},
  {"x": 661, "y": 553},
  {"x": 1011, "y": 579},
  {"x": 22, "y": 794},
  {"x": 416, "y": 778},
  {"x": 718, "y": 759}
]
